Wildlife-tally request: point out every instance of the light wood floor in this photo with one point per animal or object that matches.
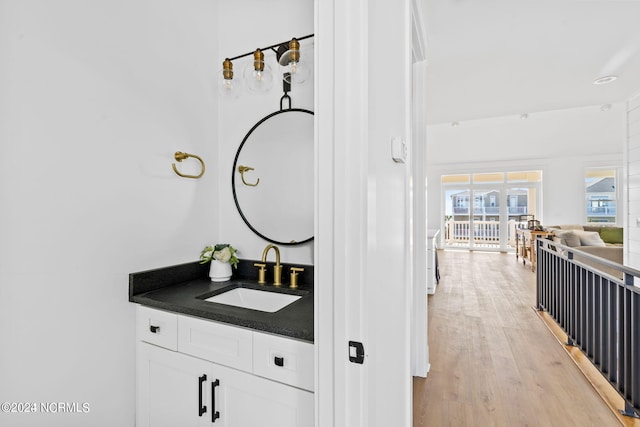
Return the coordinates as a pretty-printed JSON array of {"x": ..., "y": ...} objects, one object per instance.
[{"x": 493, "y": 361}]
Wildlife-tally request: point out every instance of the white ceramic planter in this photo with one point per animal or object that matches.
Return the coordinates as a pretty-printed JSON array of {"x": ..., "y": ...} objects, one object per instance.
[{"x": 219, "y": 271}]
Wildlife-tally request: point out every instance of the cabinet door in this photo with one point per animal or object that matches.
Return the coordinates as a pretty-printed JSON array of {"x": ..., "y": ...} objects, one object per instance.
[
  {"x": 245, "y": 400},
  {"x": 172, "y": 389}
]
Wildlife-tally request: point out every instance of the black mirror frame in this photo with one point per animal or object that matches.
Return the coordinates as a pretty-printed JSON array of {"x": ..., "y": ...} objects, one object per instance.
[{"x": 233, "y": 176}]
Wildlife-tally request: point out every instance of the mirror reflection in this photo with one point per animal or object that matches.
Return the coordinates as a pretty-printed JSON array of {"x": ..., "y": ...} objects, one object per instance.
[{"x": 273, "y": 177}]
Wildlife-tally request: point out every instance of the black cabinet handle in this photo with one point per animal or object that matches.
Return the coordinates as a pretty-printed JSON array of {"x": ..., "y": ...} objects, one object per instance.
[
  {"x": 214, "y": 414},
  {"x": 154, "y": 329},
  {"x": 278, "y": 360},
  {"x": 201, "y": 409}
]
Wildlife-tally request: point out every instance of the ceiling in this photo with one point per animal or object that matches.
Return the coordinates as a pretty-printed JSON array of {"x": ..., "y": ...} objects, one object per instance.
[{"x": 491, "y": 58}]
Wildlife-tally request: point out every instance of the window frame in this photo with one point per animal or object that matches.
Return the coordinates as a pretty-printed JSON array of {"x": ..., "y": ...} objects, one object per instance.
[{"x": 598, "y": 197}]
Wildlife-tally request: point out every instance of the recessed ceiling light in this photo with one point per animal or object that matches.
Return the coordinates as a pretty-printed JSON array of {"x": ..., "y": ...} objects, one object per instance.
[{"x": 604, "y": 80}]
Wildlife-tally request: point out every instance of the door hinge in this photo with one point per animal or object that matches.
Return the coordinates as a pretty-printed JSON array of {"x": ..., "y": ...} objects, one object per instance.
[{"x": 356, "y": 352}]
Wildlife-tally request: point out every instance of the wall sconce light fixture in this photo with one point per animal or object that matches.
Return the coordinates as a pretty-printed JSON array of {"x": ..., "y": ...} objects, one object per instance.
[{"x": 258, "y": 75}]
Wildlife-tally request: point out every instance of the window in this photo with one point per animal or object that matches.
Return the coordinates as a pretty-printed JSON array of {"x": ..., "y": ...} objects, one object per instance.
[
  {"x": 456, "y": 179},
  {"x": 462, "y": 201},
  {"x": 529, "y": 176},
  {"x": 601, "y": 195},
  {"x": 485, "y": 178},
  {"x": 483, "y": 210}
]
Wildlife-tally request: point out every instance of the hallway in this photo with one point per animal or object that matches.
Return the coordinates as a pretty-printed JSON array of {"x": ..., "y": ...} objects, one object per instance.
[{"x": 493, "y": 361}]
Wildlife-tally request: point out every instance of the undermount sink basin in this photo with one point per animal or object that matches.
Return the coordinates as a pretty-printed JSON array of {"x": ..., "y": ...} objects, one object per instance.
[{"x": 255, "y": 299}]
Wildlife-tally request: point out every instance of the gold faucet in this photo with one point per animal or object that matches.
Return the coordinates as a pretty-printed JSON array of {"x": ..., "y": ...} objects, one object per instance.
[{"x": 277, "y": 269}]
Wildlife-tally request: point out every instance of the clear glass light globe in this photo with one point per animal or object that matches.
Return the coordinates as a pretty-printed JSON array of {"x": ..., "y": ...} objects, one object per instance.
[
  {"x": 229, "y": 88},
  {"x": 258, "y": 80}
]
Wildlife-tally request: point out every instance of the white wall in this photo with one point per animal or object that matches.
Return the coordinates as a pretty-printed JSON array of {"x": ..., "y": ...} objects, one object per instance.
[
  {"x": 244, "y": 26},
  {"x": 561, "y": 143},
  {"x": 95, "y": 97},
  {"x": 632, "y": 148}
]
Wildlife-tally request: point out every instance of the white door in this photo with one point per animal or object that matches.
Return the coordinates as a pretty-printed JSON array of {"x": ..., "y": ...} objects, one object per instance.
[
  {"x": 172, "y": 389},
  {"x": 179, "y": 390},
  {"x": 247, "y": 400},
  {"x": 487, "y": 219},
  {"x": 419, "y": 246},
  {"x": 362, "y": 246}
]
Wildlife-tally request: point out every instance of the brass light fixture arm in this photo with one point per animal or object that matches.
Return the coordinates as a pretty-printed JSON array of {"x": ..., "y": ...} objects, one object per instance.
[
  {"x": 180, "y": 156},
  {"x": 272, "y": 47},
  {"x": 242, "y": 170}
]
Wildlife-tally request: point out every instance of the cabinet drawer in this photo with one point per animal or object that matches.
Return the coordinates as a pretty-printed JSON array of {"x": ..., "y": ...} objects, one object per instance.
[
  {"x": 217, "y": 342},
  {"x": 157, "y": 327},
  {"x": 284, "y": 360}
]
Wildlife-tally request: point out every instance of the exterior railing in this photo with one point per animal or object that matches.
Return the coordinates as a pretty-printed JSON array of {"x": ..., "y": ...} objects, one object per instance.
[
  {"x": 597, "y": 305},
  {"x": 601, "y": 210},
  {"x": 489, "y": 210},
  {"x": 484, "y": 232}
]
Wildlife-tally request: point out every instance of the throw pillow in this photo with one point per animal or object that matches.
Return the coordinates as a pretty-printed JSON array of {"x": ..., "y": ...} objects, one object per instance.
[
  {"x": 612, "y": 234},
  {"x": 589, "y": 238},
  {"x": 559, "y": 240},
  {"x": 569, "y": 238}
]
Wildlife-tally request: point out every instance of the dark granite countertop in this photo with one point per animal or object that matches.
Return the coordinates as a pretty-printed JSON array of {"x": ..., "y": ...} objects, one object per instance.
[{"x": 183, "y": 288}]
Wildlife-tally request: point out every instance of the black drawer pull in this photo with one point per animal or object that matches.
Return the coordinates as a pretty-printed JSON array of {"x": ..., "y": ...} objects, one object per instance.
[
  {"x": 201, "y": 409},
  {"x": 154, "y": 329},
  {"x": 278, "y": 360},
  {"x": 214, "y": 414}
]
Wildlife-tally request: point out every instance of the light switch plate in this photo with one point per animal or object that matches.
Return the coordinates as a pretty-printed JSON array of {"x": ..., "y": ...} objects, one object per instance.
[{"x": 398, "y": 150}]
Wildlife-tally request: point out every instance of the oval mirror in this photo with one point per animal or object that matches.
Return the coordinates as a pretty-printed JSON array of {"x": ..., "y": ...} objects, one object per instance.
[{"x": 272, "y": 178}]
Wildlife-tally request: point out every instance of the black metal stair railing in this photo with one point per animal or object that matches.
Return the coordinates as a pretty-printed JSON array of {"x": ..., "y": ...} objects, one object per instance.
[{"x": 596, "y": 303}]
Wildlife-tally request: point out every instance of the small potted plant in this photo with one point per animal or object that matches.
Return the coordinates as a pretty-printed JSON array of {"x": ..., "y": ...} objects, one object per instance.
[{"x": 222, "y": 256}]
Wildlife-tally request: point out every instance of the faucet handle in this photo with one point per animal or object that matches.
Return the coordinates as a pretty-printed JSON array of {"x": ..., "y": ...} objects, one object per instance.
[
  {"x": 293, "y": 283},
  {"x": 261, "y": 273}
]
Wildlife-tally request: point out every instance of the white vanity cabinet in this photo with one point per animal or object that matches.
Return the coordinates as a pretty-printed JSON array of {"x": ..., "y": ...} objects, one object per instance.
[{"x": 210, "y": 379}]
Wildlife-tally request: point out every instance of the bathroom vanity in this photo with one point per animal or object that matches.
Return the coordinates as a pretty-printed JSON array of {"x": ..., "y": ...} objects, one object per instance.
[
  {"x": 238, "y": 353},
  {"x": 206, "y": 363}
]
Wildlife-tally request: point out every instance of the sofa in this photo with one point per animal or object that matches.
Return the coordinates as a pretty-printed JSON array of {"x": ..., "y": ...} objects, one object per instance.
[{"x": 603, "y": 241}]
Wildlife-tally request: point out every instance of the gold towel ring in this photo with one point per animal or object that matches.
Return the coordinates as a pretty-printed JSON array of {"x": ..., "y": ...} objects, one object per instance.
[
  {"x": 180, "y": 156},
  {"x": 242, "y": 170}
]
